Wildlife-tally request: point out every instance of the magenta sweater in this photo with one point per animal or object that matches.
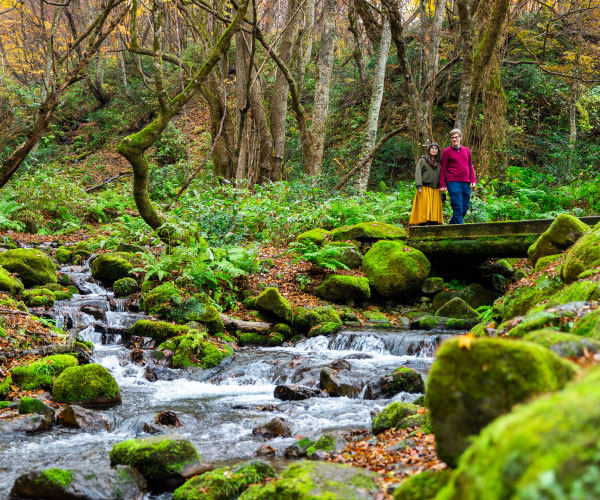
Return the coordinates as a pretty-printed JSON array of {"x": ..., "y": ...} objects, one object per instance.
[{"x": 456, "y": 166}]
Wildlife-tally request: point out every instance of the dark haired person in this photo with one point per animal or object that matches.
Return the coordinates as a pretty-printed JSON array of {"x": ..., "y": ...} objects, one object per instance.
[
  {"x": 457, "y": 176},
  {"x": 427, "y": 207}
]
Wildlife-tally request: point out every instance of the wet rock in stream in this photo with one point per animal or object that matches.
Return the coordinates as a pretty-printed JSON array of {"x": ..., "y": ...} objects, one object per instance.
[
  {"x": 337, "y": 380},
  {"x": 78, "y": 417},
  {"x": 296, "y": 392},
  {"x": 121, "y": 482},
  {"x": 278, "y": 427}
]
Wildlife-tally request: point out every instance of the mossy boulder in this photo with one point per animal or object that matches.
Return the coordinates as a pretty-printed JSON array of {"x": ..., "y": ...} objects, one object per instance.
[
  {"x": 582, "y": 256},
  {"x": 376, "y": 318},
  {"x": 343, "y": 289},
  {"x": 224, "y": 483},
  {"x": 160, "y": 459},
  {"x": 283, "y": 330},
  {"x": 588, "y": 325},
  {"x": 474, "y": 381},
  {"x": 194, "y": 348},
  {"x": 562, "y": 233},
  {"x": 41, "y": 373},
  {"x": 563, "y": 344},
  {"x": 38, "y": 297},
  {"x": 310, "y": 480},
  {"x": 403, "y": 379},
  {"x": 456, "y": 308},
  {"x": 29, "y": 405},
  {"x": 368, "y": 231},
  {"x": 159, "y": 330},
  {"x": 327, "y": 328},
  {"x": 273, "y": 303},
  {"x": 5, "y": 383},
  {"x": 580, "y": 291},
  {"x": 125, "y": 287},
  {"x": 9, "y": 283},
  {"x": 519, "y": 301},
  {"x": 422, "y": 486},
  {"x": 547, "y": 449},
  {"x": 431, "y": 286},
  {"x": 323, "y": 320},
  {"x": 162, "y": 299},
  {"x": 63, "y": 254},
  {"x": 440, "y": 298},
  {"x": 391, "y": 416},
  {"x": 350, "y": 255},
  {"x": 110, "y": 267},
  {"x": 118, "y": 483},
  {"x": 31, "y": 266},
  {"x": 395, "y": 269},
  {"x": 86, "y": 385},
  {"x": 199, "y": 308},
  {"x": 316, "y": 236}
]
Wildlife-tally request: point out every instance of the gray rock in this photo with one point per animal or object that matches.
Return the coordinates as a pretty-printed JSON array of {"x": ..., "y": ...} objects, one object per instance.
[
  {"x": 78, "y": 417},
  {"x": 278, "y": 427},
  {"x": 295, "y": 392}
]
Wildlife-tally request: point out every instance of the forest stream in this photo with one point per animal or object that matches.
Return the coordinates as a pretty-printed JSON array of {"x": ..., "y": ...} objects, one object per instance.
[{"x": 218, "y": 407}]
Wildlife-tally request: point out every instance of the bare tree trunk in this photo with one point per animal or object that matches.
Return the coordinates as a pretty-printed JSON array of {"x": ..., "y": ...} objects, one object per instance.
[
  {"x": 48, "y": 76},
  {"x": 304, "y": 42},
  {"x": 279, "y": 98},
  {"x": 466, "y": 84},
  {"x": 322, "y": 88},
  {"x": 358, "y": 51},
  {"x": 417, "y": 105},
  {"x": 484, "y": 55},
  {"x": 362, "y": 177}
]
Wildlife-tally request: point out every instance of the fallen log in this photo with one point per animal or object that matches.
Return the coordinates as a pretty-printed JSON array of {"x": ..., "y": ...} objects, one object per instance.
[{"x": 245, "y": 326}]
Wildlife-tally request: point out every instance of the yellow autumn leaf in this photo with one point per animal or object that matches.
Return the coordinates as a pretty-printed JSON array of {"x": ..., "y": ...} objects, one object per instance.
[{"x": 464, "y": 341}]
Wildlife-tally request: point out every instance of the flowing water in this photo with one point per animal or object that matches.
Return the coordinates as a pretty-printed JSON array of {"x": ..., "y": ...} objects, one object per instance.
[{"x": 218, "y": 407}]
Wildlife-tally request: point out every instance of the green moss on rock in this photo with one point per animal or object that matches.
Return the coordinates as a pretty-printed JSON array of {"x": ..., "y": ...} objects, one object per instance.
[
  {"x": 31, "y": 405},
  {"x": 547, "y": 449},
  {"x": 110, "y": 267},
  {"x": 39, "y": 297},
  {"x": 368, "y": 231},
  {"x": 316, "y": 236},
  {"x": 582, "y": 256},
  {"x": 310, "y": 480},
  {"x": 404, "y": 380},
  {"x": 562, "y": 233},
  {"x": 350, "y": 255},
  {"x": 157, "y": 458},
  {"x": 473, "y": 382},
  {"x": 41, "y": 373},
  {"x": 431, "y": 286},
  {"x": 125, "y": 287},
  {"x": 391, "y": 416},
  {"x": 422, "y": 486},
  {"x": 195, "y": 349},
  {"x": 272, "y": 302},
  {"x": 225, "y": 483},
  {"x": 476, "y": 295},
  {"x": 5, "y": 384},
  {"x": 343, "y": 289},
  {"x": 544, "y": 262},
  {"x": 518, "y": 327},
  {"x": 580, "y": 291},
  {"x": 375, "y": 317},
  {"x": 31, "y": 266},
  {"x": 395, "y": 269},
  {"x": 63, "y": 254},
  {"x": 589, "y": 325},
  {"x": 440, "y": 298},
  {"x": 159, "y": 330},
  {"x": 59, "y": 478},
  {"x": 456, "y": 308},
  {"x": 327, "y": 328},
  {"x": 520, "y": 300},
  {"x": 88, "y": 385},
  {"x": 9, "y": 283},
  {"x": 563, "y": 344}
]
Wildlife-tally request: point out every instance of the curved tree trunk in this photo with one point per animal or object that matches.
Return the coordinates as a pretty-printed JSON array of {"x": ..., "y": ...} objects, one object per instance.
[{"x": 133, "y": 147}]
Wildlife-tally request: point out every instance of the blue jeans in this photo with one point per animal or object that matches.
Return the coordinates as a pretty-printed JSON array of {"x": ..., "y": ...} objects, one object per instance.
[{"x": 460, "y": 198}]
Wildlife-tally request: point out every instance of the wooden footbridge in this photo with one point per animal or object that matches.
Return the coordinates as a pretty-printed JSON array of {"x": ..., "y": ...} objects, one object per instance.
[{"x": 479, "y": 241}]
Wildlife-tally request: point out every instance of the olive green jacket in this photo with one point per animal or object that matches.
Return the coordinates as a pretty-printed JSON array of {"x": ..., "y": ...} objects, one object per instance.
[{"x": 426, "y": 175}]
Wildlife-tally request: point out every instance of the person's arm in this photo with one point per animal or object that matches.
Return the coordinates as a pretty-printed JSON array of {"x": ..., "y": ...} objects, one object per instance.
[
  {"x": 471, "y": 170},
  {"x": 444, "y": 163},
  {"x": 419, "y": 175}
]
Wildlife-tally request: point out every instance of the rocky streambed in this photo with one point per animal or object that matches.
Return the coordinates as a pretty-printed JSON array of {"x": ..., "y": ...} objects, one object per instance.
[{"x": 219, "y": 407}]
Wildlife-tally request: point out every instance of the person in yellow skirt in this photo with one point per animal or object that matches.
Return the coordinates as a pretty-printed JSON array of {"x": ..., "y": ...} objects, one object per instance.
[{"x": 427, "y": 207}]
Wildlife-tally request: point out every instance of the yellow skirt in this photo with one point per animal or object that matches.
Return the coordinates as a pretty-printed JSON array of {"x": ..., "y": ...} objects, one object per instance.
[{"x": 427, "y": 207}]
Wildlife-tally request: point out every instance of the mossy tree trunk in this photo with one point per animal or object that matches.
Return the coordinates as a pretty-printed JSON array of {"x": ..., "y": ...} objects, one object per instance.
[{"x": 134, "y": 147}]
